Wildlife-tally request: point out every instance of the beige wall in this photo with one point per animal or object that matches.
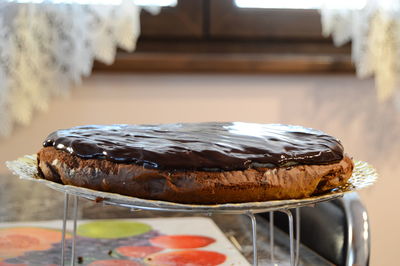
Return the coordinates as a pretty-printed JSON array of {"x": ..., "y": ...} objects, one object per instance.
[{"x": 338, "y": 104}]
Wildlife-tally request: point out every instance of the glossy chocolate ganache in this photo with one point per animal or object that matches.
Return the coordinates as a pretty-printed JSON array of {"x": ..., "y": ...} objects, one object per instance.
[{"x": 200, "y": 146}]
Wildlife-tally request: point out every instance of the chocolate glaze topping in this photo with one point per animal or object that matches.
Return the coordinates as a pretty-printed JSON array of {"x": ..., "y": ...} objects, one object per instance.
[{"x": 200, "y": 146}]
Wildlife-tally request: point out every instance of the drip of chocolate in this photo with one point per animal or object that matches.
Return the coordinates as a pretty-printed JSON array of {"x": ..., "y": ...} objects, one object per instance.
[{"x": 200, "y": 146}]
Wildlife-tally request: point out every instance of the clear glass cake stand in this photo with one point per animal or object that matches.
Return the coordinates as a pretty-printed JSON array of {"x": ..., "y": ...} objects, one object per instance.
[{"x": 363, "y": 176}]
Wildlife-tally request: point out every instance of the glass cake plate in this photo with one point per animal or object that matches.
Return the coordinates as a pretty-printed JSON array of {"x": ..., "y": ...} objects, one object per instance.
[{"x": 364, "y": 175}]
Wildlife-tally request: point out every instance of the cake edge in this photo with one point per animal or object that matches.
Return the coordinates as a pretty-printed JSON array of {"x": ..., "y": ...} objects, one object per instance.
[{"x": 193, "y": 187}]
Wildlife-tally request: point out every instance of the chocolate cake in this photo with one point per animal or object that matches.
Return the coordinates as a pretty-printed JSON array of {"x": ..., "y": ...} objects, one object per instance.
[{"x": 205, "y": 163}]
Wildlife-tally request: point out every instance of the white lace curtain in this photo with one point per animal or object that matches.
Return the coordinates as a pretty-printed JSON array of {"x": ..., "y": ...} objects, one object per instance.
[
  {"x": 46, "y": 47},
  {"x": 375, "y": 34}
]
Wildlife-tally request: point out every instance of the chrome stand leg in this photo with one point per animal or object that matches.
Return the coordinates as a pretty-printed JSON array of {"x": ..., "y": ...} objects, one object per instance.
[
  {"x": 291, "y": 236},
  {"x": 64, "y": 228},
  {"x": 254, "y": 233},
  {"x": 75, "y": 217},
  {"x": 271, "y": 236},
  {"x": 297, "y": 236}
]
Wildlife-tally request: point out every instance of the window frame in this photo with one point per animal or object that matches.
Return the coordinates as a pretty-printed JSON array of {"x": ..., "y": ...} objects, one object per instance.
[{"x": 218, "y": 36}]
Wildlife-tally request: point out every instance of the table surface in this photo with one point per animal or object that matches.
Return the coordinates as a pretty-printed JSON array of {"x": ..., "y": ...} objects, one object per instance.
[{"x": 22, "y": 200}]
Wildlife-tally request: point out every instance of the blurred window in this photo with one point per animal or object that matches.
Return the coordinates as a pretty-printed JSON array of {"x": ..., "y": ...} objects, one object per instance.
[
  {"x": 300, "y": 4},
  {"x": 160, "y": 3},
  {"x": 235, "y": 35}
]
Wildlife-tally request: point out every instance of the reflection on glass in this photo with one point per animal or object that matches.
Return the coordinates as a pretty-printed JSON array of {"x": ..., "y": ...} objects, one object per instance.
[{"x": 301, "y": 4}]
